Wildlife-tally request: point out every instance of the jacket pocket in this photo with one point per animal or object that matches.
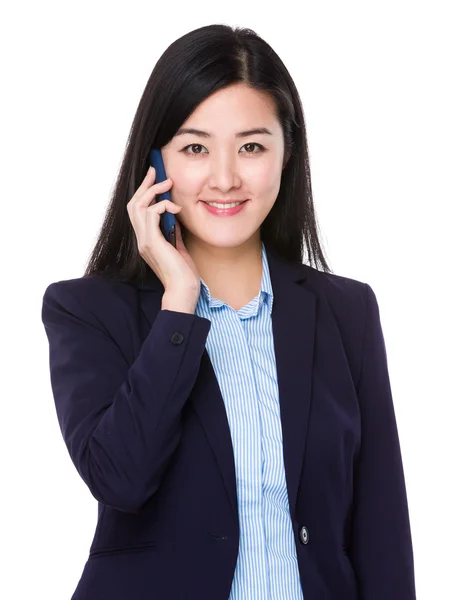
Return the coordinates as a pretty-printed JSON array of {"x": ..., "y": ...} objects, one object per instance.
[{"x": 100, "y": 552}]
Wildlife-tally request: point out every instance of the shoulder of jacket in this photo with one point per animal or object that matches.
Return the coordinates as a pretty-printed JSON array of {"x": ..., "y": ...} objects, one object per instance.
[
  {"x": 93, "y": 286},
  {"x": 336, "y": 288},
  {"x": 348, "y": 301},
  {"x": 94, "y": 298}
]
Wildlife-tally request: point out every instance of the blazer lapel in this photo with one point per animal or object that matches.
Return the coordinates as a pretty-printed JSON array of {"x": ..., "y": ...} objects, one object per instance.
[
  {"x": 294, "y": 328},
  {"x": 293, "y": 323}
]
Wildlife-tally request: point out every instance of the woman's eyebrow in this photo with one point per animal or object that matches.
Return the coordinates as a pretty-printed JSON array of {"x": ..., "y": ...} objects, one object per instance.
[{"x": 206, "y": 134}]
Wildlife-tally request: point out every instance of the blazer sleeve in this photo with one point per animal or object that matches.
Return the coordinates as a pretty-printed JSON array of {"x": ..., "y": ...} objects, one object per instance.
[
  {"x": 120, "y": 422},
  {"x": 381, "y": 546}
]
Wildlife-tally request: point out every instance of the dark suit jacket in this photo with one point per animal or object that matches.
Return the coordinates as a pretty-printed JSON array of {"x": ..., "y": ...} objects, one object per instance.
[{"x": 144, "y": 422}]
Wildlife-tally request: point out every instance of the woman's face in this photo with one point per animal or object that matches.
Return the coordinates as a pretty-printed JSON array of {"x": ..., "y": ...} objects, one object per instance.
[{"x": 220, "y": 164}]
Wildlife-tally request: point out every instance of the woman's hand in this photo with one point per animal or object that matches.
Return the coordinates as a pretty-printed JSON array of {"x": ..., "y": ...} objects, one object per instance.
[{"x": 173, "y": 266}]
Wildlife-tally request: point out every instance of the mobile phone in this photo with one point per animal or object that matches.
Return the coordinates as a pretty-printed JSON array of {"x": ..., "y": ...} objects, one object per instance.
[{"x": 167, "y": 219}]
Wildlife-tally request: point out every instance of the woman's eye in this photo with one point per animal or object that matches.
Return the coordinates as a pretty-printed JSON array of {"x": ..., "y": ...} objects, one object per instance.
[
  {"x": 250, "y": 144},
  {"x": 193, "y": 146},
  {"x": 261, "y": 148}
]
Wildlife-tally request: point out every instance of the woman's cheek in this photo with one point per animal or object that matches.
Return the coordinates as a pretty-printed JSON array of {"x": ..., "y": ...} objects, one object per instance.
[
  {"x": 264, "y": 180},
  {"x": 189, "y": 185}
]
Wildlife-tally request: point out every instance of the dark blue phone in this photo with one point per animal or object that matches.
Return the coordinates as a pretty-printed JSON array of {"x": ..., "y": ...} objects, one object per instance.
[{"x": 167, "y": 219}]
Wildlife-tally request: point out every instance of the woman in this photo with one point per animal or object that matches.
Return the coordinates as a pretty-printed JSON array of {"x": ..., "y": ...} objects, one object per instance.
[{"x": 227, "y": 405}]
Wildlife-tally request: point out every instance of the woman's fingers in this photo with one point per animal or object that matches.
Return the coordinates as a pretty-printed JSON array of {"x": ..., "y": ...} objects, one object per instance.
[
  {"x": 146, "y": 182},
  {"x": 138, "y": 205}
]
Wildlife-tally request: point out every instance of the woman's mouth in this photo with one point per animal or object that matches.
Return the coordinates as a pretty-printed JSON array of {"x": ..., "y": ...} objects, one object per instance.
[{"x": 224, "y": 210}]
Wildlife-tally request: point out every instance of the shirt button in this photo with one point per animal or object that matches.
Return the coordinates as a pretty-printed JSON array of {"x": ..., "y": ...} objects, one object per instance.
[
  {"x": 304, "y": 537},
  {"x": 177, "y": 338}
]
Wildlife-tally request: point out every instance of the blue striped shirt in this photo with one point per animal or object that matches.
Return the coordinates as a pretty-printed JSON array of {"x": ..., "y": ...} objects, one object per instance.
[{"x": 241, "y": 349}]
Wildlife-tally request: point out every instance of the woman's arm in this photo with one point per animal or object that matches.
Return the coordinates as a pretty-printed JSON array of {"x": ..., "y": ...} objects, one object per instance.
[
  {"x": 120, "y": 422},
  {"x": 381, "y": 546}
]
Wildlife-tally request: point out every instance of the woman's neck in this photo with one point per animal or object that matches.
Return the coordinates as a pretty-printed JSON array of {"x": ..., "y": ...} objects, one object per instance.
[{"x": 231, "y": 274}]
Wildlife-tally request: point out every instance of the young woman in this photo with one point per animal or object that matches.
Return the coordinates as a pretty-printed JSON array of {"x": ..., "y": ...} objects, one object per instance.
[{"x": 228, "y": 405}]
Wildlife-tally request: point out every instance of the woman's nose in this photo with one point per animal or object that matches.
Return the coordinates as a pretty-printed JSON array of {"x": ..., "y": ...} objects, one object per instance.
[{"x": 224, "y": 174}]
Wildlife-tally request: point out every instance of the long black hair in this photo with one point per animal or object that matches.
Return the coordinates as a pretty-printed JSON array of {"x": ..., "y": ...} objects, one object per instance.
[{"x": 191, "y": 69}]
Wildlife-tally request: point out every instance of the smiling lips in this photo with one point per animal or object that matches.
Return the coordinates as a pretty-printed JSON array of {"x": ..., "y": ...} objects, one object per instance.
[
  {"x": 226, "y": 201},
  {"x": 224, "y": 208},
  {"x": 224, "y": 205}
]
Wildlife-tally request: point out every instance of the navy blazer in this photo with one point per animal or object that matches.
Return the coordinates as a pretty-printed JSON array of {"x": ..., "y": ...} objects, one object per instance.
[{"x": 144, "y": 422}]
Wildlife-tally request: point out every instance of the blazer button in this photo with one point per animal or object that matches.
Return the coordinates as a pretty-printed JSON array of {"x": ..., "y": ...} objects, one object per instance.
[
  {"x": 304, "y": 537},
  {"x": 177, "y": 338}
]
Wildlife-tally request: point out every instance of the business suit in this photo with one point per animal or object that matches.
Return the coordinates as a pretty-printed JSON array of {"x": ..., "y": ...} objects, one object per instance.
[{"x": 144, "y": 421}]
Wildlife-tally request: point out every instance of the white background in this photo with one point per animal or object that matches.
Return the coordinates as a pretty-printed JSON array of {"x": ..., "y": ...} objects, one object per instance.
[{"x": 377, "y": 87}]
